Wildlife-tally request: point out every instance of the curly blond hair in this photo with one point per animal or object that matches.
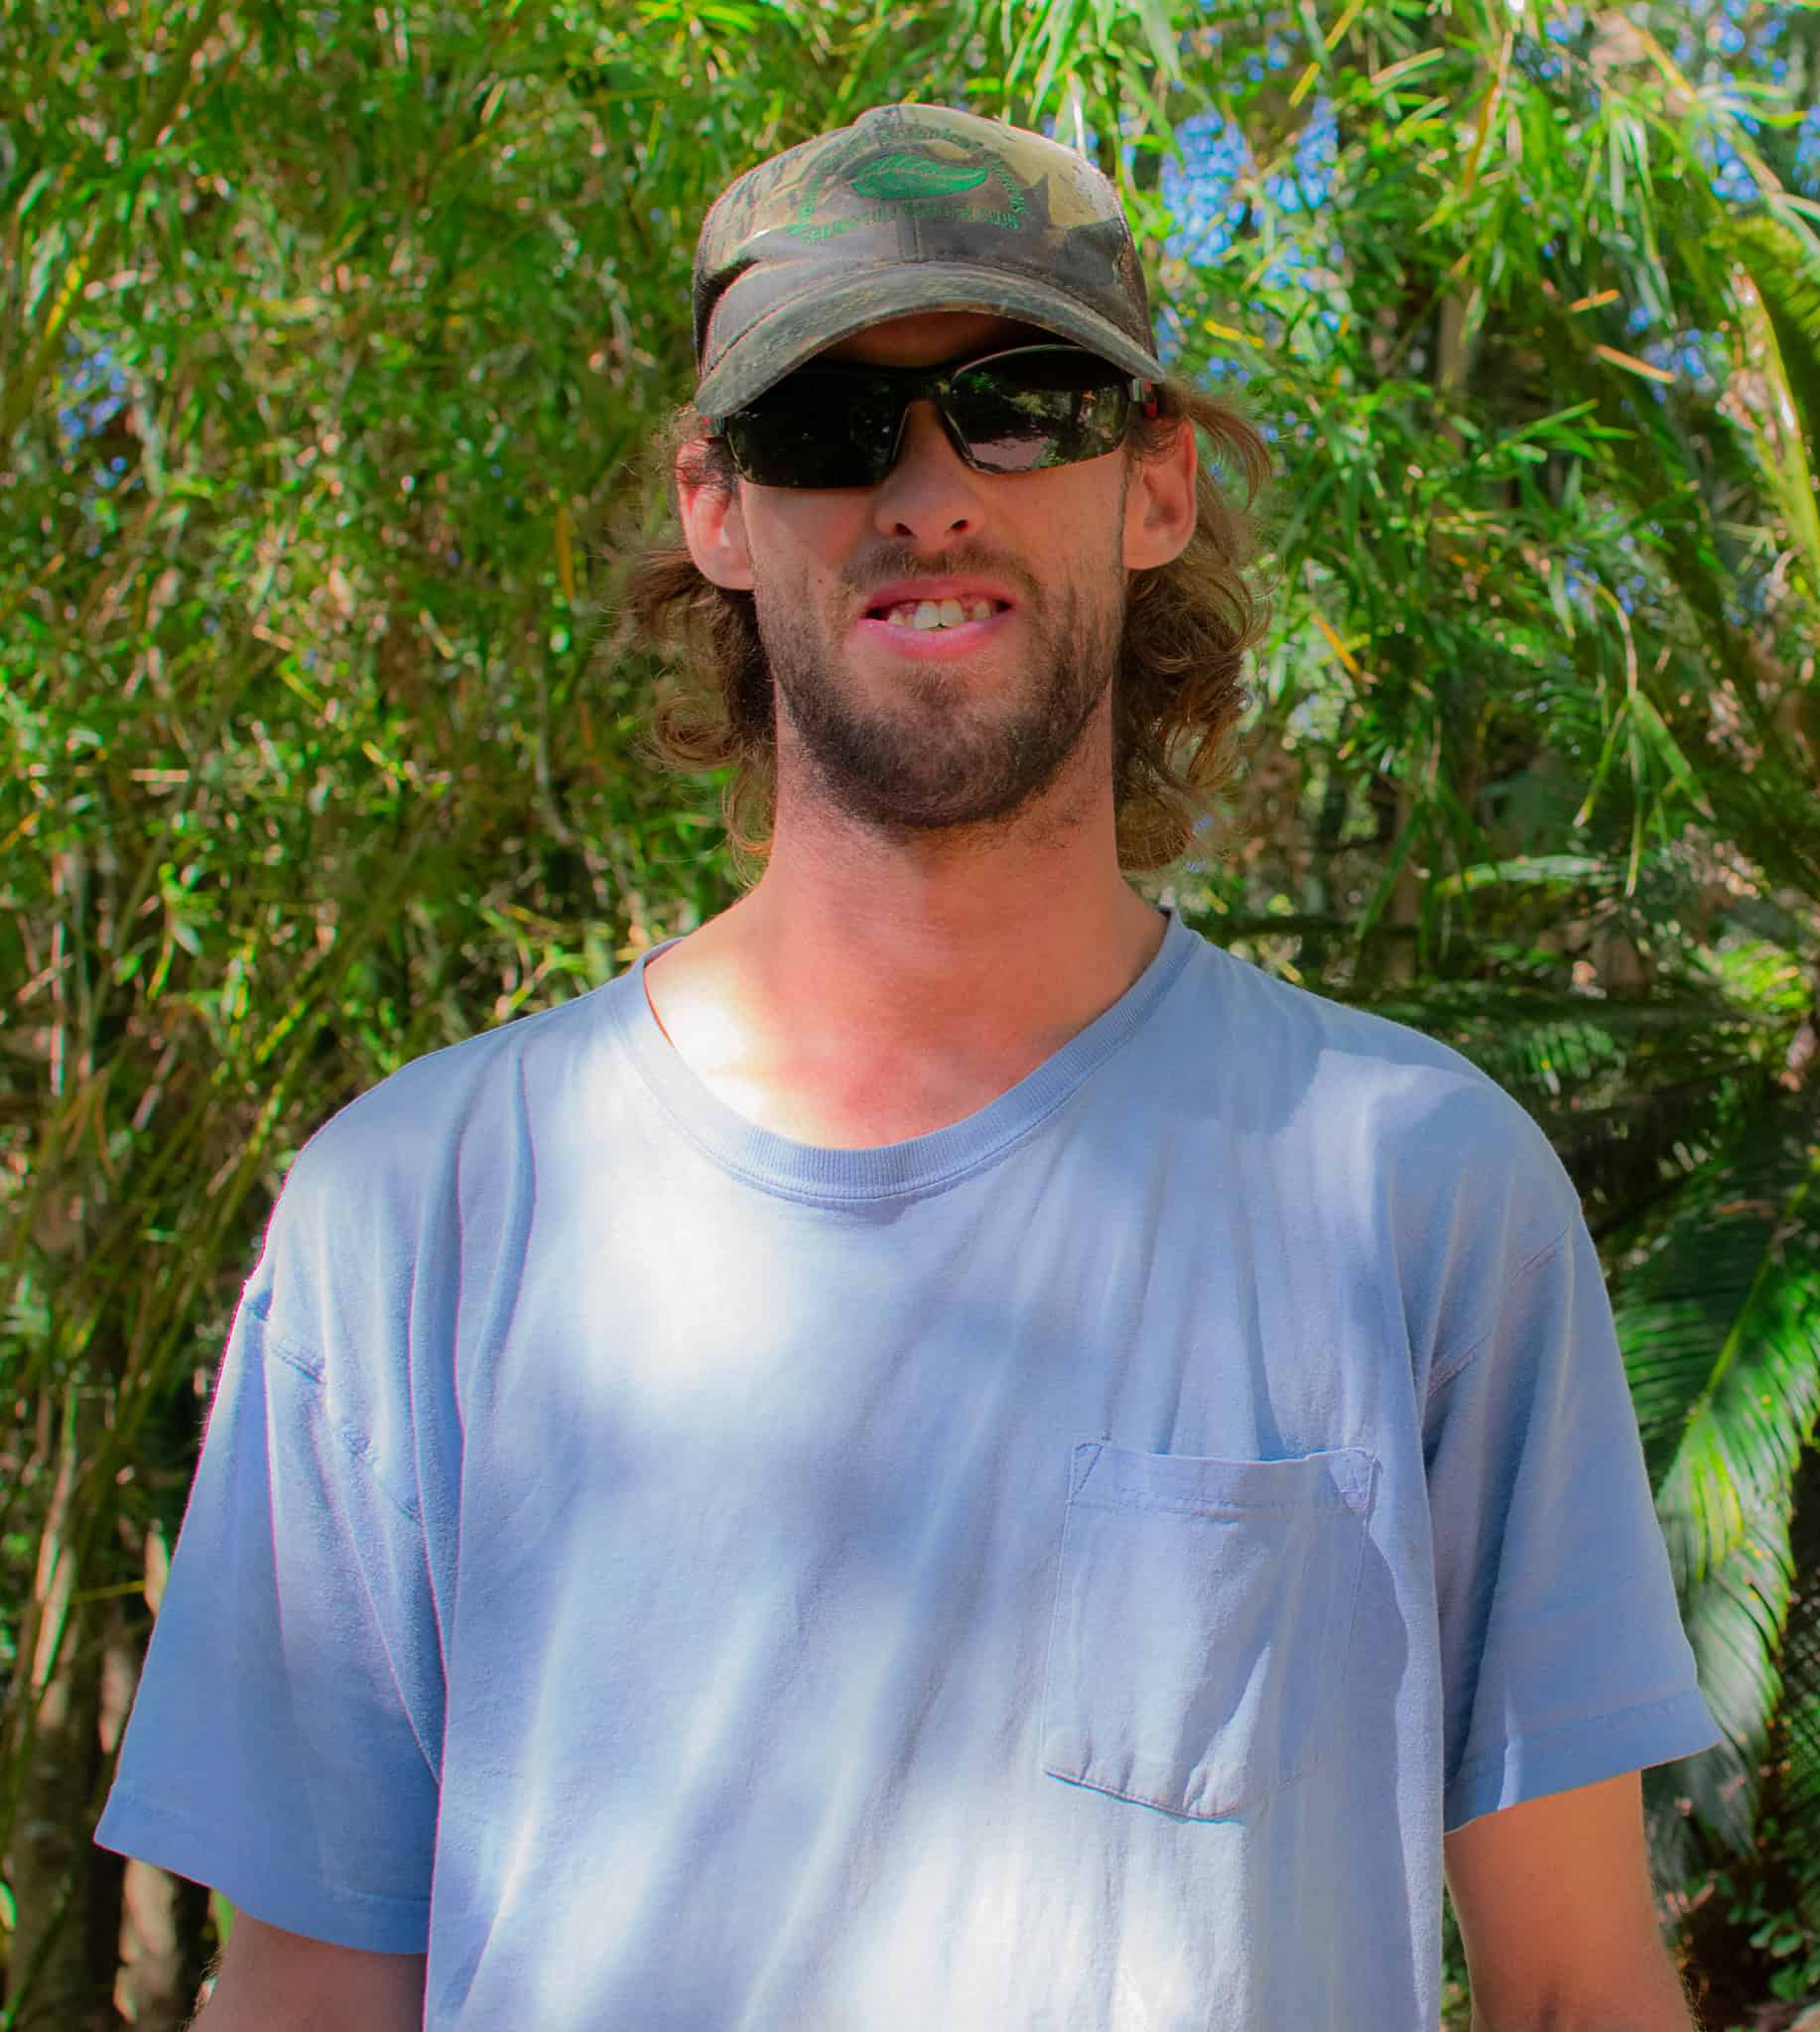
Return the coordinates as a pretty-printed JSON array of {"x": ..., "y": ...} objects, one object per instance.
[{"x": 1178, "y": 693}]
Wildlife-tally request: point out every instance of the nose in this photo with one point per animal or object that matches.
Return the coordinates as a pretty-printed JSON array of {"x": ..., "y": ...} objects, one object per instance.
[{"x": 931, "y": 492}]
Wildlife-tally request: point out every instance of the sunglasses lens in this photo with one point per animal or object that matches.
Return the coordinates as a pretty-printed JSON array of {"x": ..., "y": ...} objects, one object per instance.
[
  {"x": 816, "y": 431},
  {"x": 1041, "y": 406},
  {"x": 1018, "y": 412}
]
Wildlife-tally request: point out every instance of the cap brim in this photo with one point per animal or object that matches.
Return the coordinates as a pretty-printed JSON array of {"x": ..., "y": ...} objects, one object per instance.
[{"x": 799, "y": 329}]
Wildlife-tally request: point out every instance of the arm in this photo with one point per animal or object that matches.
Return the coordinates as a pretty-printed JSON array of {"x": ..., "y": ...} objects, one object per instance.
[
  {"x": 1558, "y": 1918},
  {"x": 272, "y": 1980}
]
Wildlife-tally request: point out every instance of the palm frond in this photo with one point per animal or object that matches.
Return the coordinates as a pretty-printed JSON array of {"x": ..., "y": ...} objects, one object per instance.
[
  {"x": 1780, "y": 313},
  {"x": 1795, "y": 1796},
  {"x": 1733, "y": 1617},
  {"x": 1787, "y": 280},
  {"x": 1718, "y": 1312}
]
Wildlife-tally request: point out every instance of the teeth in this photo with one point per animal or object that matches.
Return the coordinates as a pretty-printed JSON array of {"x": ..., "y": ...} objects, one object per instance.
[{"x": 946, "y": 613}]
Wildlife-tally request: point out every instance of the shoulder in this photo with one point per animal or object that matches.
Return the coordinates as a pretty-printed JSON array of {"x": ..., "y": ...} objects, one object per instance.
[
  {"x": 429, "y": 1159},
  {"x": 1371, "y": 1100},
  {"x": 425, "y": 1109},
  {"x": 1312, "y": 1046}
]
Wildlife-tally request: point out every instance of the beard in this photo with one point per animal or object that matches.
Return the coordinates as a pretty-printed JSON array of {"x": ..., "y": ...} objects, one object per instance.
[{"x": 938, "y": 756}]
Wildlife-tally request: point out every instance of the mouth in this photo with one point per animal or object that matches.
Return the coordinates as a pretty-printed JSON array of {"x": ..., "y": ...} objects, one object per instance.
[
  {"x": 935, "y": 627},
  {"x": 988, "y": 619}
]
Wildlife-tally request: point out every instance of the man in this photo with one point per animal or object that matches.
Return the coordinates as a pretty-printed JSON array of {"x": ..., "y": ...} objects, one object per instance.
[{"x": 940, "y": 1453}]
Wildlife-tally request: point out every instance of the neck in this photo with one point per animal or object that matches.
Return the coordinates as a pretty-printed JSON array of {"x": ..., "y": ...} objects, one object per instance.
[
  {"x": 929, "y": 952},
  {"x": 910, "y": 972}
]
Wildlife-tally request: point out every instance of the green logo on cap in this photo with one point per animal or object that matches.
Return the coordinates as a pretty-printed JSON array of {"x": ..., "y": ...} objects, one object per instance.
[{"x": 916, "y": 176}]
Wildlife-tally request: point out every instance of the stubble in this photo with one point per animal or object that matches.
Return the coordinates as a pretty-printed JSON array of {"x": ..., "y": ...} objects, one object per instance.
[{"x": 944, "y": 752}]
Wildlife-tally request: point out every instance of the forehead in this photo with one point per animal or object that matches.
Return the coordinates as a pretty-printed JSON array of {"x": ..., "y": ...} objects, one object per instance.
[{"x": 924, "y": 337}]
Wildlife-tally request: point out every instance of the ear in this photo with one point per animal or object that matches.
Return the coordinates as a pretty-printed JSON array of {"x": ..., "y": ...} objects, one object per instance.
[
  {"x": 1160, "y": 503},
  {"x": 714, "y": 525}
]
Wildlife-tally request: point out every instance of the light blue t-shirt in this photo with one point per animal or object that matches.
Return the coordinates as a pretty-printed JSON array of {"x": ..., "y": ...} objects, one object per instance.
[{"x": 1065, "y": 1570}]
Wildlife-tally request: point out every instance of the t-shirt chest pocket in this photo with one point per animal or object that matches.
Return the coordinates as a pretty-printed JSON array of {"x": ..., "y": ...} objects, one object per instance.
[{"x": 1203, "y": 1617}]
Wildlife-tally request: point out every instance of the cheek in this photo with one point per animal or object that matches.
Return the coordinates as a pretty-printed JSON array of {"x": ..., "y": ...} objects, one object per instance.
[
  {"x": 1081, "y": 522},
  {"x": 796, "y": 549}
]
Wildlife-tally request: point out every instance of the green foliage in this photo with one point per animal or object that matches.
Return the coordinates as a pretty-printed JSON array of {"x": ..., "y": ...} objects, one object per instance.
[
  {"x": 319, "y": 751},
  {"x": 1791, "y": 1945}
]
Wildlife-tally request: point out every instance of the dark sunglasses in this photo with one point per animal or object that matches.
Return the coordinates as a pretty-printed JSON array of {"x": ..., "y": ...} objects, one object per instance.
[{"x": 842, "y": 423}]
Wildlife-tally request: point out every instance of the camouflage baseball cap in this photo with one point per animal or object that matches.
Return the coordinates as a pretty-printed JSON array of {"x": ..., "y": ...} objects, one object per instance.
[{"x": 912, "y": 207}]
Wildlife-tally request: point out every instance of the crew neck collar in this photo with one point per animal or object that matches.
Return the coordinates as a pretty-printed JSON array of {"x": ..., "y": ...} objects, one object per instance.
[{"x": 918, "y": 1166}]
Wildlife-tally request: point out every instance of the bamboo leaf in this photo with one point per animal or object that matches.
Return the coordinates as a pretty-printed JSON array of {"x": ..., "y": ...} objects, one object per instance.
[{"x": 1549, "y": 869}]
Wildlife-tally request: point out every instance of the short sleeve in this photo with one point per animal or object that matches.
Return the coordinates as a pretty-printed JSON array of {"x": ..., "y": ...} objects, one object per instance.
[
  {"x": 285, "y": 1739},
  {"x": 1563, "y": 1655}
]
